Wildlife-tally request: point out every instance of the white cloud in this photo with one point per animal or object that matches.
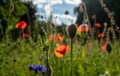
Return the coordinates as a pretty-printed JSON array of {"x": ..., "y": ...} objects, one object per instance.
[
  {"x": 56, "y": 21},
  {"x": 64, "y": 16},
  {"x": 48, "y": 6},
  {"x": 66, "y": 19},
  {"x": 53, "y": 2},
  {"x": 41, "y": 13},
  {"x": 48, "y": 9},
  {"x": 73, "y": 2},
  {"x": 40, "y": 6},
  {"x": 56, "y": 15},
  {"x": 69, "y": 18},
  {"x": 39, "y": 1}
]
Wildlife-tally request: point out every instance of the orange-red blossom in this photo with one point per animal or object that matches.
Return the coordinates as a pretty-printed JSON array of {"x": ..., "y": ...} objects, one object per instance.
[
  {"x": 61, "y": 50},
  {"x": 98, "y": 25},
  {"x": 25, "y": 35},
  {"x": 100, "y": 35},
  {"x": 21, "y": 25},
  {"x": 57, "y": 37},
  {"x": 103, "y": 47},
  {"x": 83, "y": 28}
]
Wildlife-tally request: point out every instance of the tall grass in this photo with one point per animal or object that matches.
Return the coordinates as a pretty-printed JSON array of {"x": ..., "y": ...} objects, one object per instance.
[{"x": 15, "y": 57}]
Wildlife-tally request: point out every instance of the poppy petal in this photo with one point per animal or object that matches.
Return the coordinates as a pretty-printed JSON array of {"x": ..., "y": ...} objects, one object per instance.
[
  {"x": 57, "y": 54},
  {"x": 104, "y": 47}
]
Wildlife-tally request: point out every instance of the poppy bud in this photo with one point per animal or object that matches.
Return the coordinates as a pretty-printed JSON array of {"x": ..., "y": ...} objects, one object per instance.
[
  {"x": 105, "y": 24},
  {"x": 98, "y": 25},
  {"x": 72, "y": 31},
  {"x": 108, "y": 48},
  {"x": 25, "y": 35}
]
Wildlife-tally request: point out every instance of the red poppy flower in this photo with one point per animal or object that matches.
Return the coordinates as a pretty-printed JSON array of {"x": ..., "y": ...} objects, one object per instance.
[
  {"x": 100, "y": 35},
  {"x": 25, "y": 35},
  {"x": 57, "y": 37},
  {"x": 61, "y": 50},
  {"x": 51, "y": 37},
  {"x": 21, "y": 25},
  {"x": 104, "y": 47},
  {"x": 98, "y": 25},
  {"x": 83, "y": 28}
]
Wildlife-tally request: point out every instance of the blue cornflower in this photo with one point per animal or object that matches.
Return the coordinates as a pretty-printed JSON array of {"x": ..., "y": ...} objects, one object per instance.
[
  {"x": 31, "y": 67},
  {"x": 42, "y": 69},
  {"x": 37, "y": 67}
]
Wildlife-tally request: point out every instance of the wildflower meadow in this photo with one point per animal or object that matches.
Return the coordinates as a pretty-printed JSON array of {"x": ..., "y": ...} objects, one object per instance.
[{"x": 33, "y": 47}]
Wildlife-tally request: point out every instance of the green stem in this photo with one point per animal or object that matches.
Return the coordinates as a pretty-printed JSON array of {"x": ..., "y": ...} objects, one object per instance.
[
  {"x": 47, "y": 64},
  {"x": 117, "y": 49},
  {"x": 71, "y": 72},
  {"x": 62, "y": 63}
]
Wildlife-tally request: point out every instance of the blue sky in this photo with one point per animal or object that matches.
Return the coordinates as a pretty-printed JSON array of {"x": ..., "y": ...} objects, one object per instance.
[{"x": 57, "y": 7}]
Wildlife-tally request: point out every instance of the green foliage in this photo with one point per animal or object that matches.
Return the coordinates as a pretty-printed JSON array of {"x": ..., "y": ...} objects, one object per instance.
[
  {"x": 13, "y": 14},
  {"x": 13, "y": 11},
  {"x": 87, "y": 61},
  {"x": 16, "y": 56}
]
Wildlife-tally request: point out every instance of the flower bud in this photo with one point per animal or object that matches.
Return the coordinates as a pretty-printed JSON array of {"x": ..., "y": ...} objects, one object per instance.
[{"x": 72, "y": 31}]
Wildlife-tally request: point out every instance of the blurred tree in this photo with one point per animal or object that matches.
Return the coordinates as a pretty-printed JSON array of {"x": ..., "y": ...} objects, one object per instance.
[
  {"x": 116, "y": 11},
  {"x": 94, "y": 8},
  {"x": 10, "y": 13},
  {"x": 29, "y": 16},
  {"x": 13, "y": 11}
]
